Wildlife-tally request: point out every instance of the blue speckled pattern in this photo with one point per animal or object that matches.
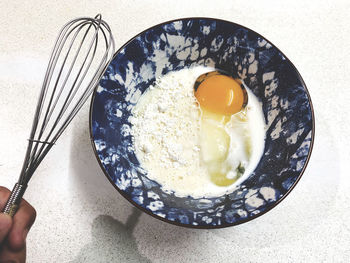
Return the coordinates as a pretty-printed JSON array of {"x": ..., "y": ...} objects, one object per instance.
[{"x": 225, "y": 46}]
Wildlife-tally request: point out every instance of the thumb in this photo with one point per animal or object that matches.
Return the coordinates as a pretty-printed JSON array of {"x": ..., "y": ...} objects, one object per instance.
[{"x": 5, "y": 226}]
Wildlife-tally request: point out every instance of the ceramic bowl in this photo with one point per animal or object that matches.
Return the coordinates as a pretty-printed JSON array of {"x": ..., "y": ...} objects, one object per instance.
[{"x": 245, "y": 55}]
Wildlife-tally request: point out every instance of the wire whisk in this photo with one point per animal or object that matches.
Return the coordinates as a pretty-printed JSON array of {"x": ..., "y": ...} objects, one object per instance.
[{"x": 81, "y": 54}]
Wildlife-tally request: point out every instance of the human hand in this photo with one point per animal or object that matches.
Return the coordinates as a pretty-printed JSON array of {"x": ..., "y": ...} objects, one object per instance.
[{"x": 13, "y": 231}]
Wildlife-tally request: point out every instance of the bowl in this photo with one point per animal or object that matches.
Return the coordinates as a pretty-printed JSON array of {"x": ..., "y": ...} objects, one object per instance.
[{"x": 229, "y": 47}]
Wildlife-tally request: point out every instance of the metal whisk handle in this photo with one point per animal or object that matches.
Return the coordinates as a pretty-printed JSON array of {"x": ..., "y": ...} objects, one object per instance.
[{"x": 14, "y": 200}]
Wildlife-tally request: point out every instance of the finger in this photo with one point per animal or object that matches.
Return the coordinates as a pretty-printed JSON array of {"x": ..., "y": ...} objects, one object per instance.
[
  {"x": 22, "y": 222},
  {"x": 7, "y": 255},
  {"x": 4, "y": 196},
  {"x": 5, "y": 226},
  {"x": 5, "y": 220}
]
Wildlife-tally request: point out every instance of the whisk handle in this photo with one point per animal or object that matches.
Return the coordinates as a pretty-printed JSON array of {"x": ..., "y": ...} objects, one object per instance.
[{"x": 14, "y": 200}]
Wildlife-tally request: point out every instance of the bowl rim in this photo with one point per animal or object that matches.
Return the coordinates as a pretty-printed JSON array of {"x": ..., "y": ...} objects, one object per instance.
[{"x": 273, "y": 205}]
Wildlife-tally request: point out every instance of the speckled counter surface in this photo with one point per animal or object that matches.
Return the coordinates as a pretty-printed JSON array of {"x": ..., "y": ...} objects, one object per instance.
[{"x": 82, "y": 218}]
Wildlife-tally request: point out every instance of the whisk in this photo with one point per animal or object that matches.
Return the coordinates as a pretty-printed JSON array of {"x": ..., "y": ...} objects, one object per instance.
[{"x": 81, "y": 54}]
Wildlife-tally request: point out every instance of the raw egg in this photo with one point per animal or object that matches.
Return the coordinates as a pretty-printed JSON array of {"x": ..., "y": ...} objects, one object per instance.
[{"x": 220, "y": 96}]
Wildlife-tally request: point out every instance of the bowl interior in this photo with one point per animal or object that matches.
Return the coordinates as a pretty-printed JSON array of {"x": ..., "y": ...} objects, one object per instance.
[{"x": 225, "y": 46}]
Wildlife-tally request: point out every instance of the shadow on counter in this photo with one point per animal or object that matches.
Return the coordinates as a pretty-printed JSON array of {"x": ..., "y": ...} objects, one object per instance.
[{"x": 112, "y": 240}]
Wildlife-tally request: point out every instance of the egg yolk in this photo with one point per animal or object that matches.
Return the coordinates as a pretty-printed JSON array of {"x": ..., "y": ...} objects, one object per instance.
[{"x": 220, "y": 94}]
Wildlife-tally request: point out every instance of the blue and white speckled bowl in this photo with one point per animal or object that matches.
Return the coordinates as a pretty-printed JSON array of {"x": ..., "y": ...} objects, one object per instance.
[{"x": 226, "y": 46}]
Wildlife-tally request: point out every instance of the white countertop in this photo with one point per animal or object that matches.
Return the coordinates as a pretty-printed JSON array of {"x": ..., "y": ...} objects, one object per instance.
[{"x": 81, "y": 217}]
